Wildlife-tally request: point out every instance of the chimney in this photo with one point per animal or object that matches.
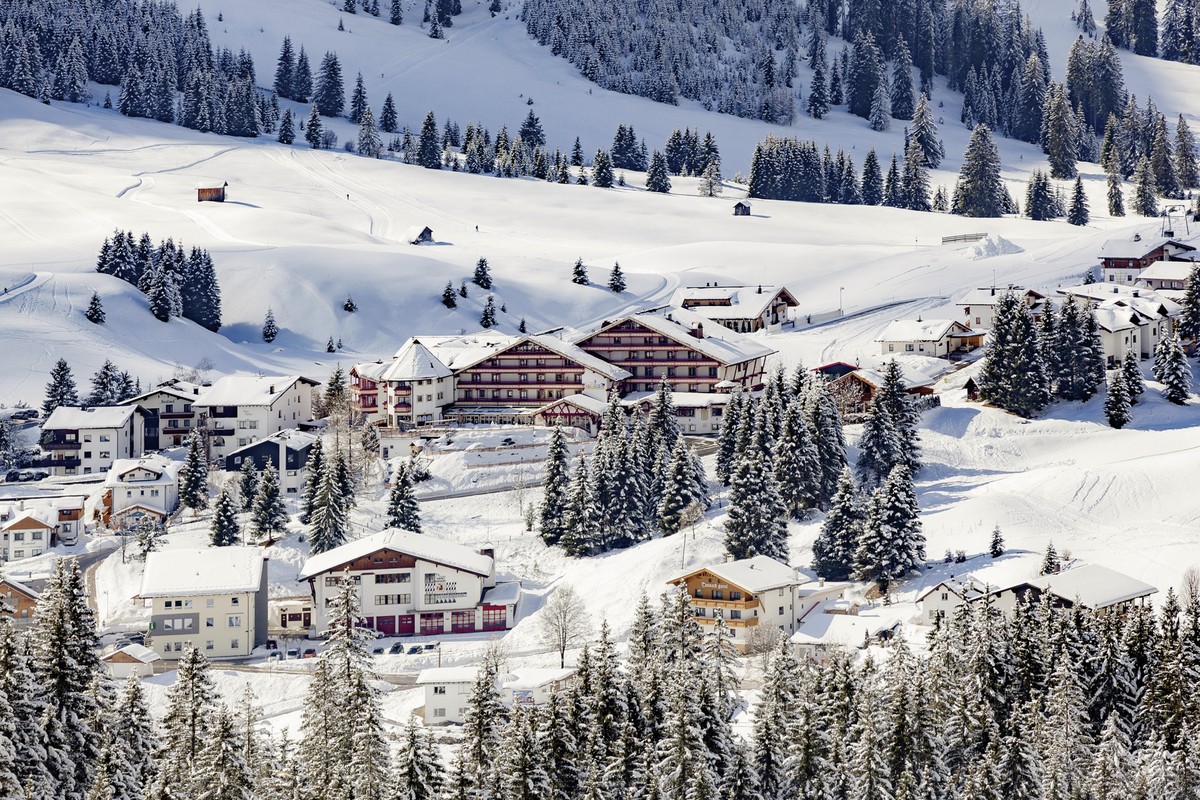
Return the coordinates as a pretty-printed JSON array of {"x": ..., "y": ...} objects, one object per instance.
[
  {"x": 490, "y": 552},
  {"x": 698, "y": 331},
  {"x": 1137, "y": 292},
  {"x": 1137, "y": 237},
  {"x": 271, "y": 390}
]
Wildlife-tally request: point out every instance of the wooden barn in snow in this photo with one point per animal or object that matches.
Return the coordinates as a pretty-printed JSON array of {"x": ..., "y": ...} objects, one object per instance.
[
  {"x": 211, "y": 192},
  {"x": 741, "y": 209},
  {"x": 419, "y": 234}
]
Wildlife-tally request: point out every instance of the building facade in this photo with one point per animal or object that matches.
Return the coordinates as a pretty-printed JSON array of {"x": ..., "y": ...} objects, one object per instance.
[
  {"x": 87, "y": 440},
  {"x": 746, "y": 309},
  {"x": 138, "y": 488},
  {"x": 238, "y": 410},
  {"x": 410, "y": 584},
  {"x": 170, "y": 414},
  {"x": 286, "y": 452}
]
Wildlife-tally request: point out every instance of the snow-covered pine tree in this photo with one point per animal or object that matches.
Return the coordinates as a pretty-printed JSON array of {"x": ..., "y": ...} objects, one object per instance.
[
  {"x": 369, "y": 144},
  {"x": 60, "y": 390},
  {"x": 796, "y": 463},
  {"x": 487, "y": 318},
  {"x": 1116, "y": 404},
  {"x": 924, "y": 131},
  {"x": 483, "y": 276},
  {"x": 1175, "y": 374},
  {"x": 268, "y": 516},
  {"x": 825, "y": 423},
  {"x": 329, "y": 516},
  {"x": 579, "y": 273},
  {"x": 978, "y": 192},
  {"x": 1135, "y": 382},
  {"x": 555, "y": 489},
  {"x": 616, "y": 279},
  {"x": 224, "y": 529},
  {"x": 892, "y": 543},
  {"x": 1050, "y": 561},
  {"x": 95, "y": 310},
  {"x": 757, "y": 524},
  {"x": 419, "y": 774},
  {"x": 403, "y": 511},
  {"x": 329, "y": 97},
  {"x": 193, "y": 476},
  {"x": 247, "y": 483},
  {"x": 996, "y": 547},
  {"x": 188, "y": 720},
  {"x": 270, "y": 330},
  {"x": 881, "y": 108},
  {"x": 1188, "y": 324},
  {"x": 222, "y": 771},
  {"x": 1145, "y": 197},
  {"x": 834, "y": 548},
  {"x": 678, "y": 500},
  {"x": 878, "y": 448},
  {"x": 1013, "y": 375},
  {"x": 1078, "y": 213}
]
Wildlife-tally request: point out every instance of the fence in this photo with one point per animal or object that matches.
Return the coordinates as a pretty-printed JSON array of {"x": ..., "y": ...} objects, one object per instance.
[{"x": 963, "y": 237}]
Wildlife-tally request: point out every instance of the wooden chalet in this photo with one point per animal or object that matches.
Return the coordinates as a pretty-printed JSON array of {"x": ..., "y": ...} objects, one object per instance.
[
  {"x": 18, "y": 602},
  {"x": 419, "y": 234},
  {"x": 741, "y": 209},
  {"x": 211, "y": 192},
  {"x": 855, "y": 391},
  {"x": 745, "y": 309}
]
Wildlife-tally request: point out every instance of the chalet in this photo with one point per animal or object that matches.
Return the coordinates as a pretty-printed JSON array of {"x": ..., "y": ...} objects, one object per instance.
[
  {"x": 18, "y": 602},
  {"x": 979, "y": 305},
  {"x": 418, "y": 585},
  {"x": 447, "y": 689},
  {"x": 741, "y": 209},
  {"x": 745, "y": 309},
  {"x": 419, "y": 384},
  {"x": 170, "y": 416},
  {"x": 64, "y": 513},
  {"x": 1122, "y": 260},
  {"x": 214, "y": 598},
  {"x": 699, "y": 413},
  {"x": 211, "y": 191},
  {"x": 367, "y": 391},
  {"x": 240, "y": 409},
  {"x": 855, "y": 391},
  {"x": 87, "y": 440},
  {"x": 1088, "y": 585},
  {"x": 28, "y": 533},
  {"x": 834, "y": 370},
  {"x": 674, "y": 343},
  {"x": 285, "y": 451},
  {"x": 752, "y": 592},
  {"x": 938, "y": 338},
  {"x": 419, "y": 234},
  {"x": 939, "y": 601},
  {"x": 139, "y": 488},
  {"x": 573, "y": 411},
  {"x": 132, "y": 659}
]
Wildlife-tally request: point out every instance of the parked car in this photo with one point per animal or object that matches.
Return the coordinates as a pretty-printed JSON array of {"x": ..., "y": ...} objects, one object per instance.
[
  {"x": 274, "y": 655},
  {"x": 396, "y": 649},
  {"x": 25, "y": 413},
  {"x": 272, "y": 644},
  {"x": 293, "y": 652},
  {"x": 137, "y": 638},
  {"x": 310, "y": 652},
  {"x": 377, "y": 651},
  {"x": 416, "y": 648},
  {"x": 12, "y": 476},
  {"x": 432, "y": 645}
]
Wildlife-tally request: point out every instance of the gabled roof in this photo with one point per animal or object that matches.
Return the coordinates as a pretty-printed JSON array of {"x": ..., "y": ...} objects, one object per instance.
[
  {"x": 535, "y": 677},
  {"x": 455, "y": 351},
  {"x": 414, "y": 232},
  {"x": 372, "y": 370},
  {"x": 89, "y": 417},
  {"x": 1147, "y": 302},
  {"x": 755, "y": 575},
  {"x": 836, "y": 368},
  {"x": 1131, "y": 248},
  {"x": 166, "y": 469},
  {"x": 31, "y": 593},
  {"x": 1094, "y": 586},
  {"x": 1114, "y": 321},
  {"x": 135, "y": 651},
  {"x": 586, "y": 402},
  {"x": 199, "y": 571},
  {"x": 1167, "y": 271},
  {"x": 249, "y": 390},
  {"x": 718, "y": 342},
  {"x": 42, "y": 516},
  {"x": 552, "y": 343},
  {"x": 990, "y": 295},
  {"x": 426, "y": 548},
  {"x": 848, "y": 630},
  {"x": 415, "y": 362},
  {"x": 447, "y": 675},
  {"x": 916, "y": 330},
  {"x": 217, "y": 184},
  {"x": 911, "y": 378},
  {"x": 681, "y": 399},
  {"x": 292, "y": 438},
  {"x": 183, "y": 390}
]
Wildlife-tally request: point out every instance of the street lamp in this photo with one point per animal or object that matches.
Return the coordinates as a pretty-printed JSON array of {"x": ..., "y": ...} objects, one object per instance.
[{"x": 841, "y": 308}]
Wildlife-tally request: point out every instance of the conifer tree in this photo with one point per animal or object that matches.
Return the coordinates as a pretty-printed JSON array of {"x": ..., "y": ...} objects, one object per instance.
[
  {"x": 482, "y": 277},
  {"x": 579, "y": 273},
  {"x": 287, "y": 128},
  {"x": 1135, "y": 383},
  {"x": 616, "y": 279},
  {"x": 247, "y": 484},
  {"x": 555, "y": 488},
  {"x": 756, "y": 525},
  {"x": 224, "y": 529},
  {"x": 60, "y": 391},
  {"x": 387, "y": 115},
  {"x": 835, "y": 546},
  {"x": 369, "y": 144},
  {"x": 996, "y": 547},
  {"x": 314, "y": 129},
  {"x": 1078, "y": 213},
  {"x": 403, "y": 511},
  {"x": 329, "y": 516},
  {"x": 1116, "y": 196},
  {"x": 268, "y": 515},
  {"x": 978, "y": 192},
  {"x": 891, "y": 544},
  {"x": 796, "y": 464},
  {"x": 429, "y": 154},
  {"x": 1185, "y": 155},
  {"x": 1013, "y": 375},
  {"x": 924, "y": 131},
  {"x": 193, "y": 477},
  {"x": 1116, "y": 404},
  {"x": 449, "y": 296},
  {"x": 879, "y": 447},
  {"x": 1145, "y": 198},
  {"x": 657, "y": 179},
  {"x": 1176, "y": 374},
  {"x": 903, "y": 97},
  {"x": 330, "y": 98},
  {"x": 915, "y": 181},
  {"x": 95, "y": 310},
  {"x": 191, "y": 708},
  {"x": 269, "y": 330},
  {"x": 488, "y": 317}
]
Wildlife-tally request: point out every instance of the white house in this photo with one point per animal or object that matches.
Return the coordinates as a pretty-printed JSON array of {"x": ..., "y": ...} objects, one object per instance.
[
  {"x": 132, "y": 659},
  {"x": 1167, "y": 278},
  {"x": 214, "y": 598},
  {"x": 753, "y": 592},
  {"x": 409, "y": 583},
  {"x": 87, "y": 440},
  {"x": 822, "y": 631},
  {"x": 28, "y": 527},
  {"x": 1122, "y": 260},
  {"x": 940, "y": 600},
  {"x": 417, "y": 386},
  {"x": 238, "y": 410},
  {"x": 939, "y": 338},
  {"x": 745, "y": 309},
  {"x": 140, "y": 487},
  {"x": 447, "y": 689},
  {"x": 1136, "y": 319},
  {"x": 979, "y": 305}
]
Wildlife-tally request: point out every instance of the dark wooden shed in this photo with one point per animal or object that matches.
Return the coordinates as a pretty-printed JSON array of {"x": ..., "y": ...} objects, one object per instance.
[{"x": 211, "y": 192}]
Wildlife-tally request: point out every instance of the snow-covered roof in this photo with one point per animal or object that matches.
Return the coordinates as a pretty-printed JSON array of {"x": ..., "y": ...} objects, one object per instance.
[
  {"x": 584, "y": 401},
  {"x": 756, "y": 574},
  {"x": 211, "y": 184},
  {"x": 1167, "y": 271},
  {"x": 1094, "y": 586},
  {"x": 89, "y": 417},
  {"x": 1138, "y": 248},
  {"x": 912, "y": 378},
  {"x": 415, "y": 362},
  {"x": 917, "y": 330},
  {"x": 681, "y": 399},
  {"x": 579, "y": 356},
  {"x": 199, "y": 571},
  {"x": 1147, "y": 302},
  {"x": 990, "y": 295},
  {"x": 135, "y": 651},
  {"x": 848, "y": 630},
  {"x": 292, "y": 437},
  {"x": 456, "y": 351},
  {"x": 21, "y": 587},
  {"x": 504, "y": 593},
  {"x": 1114, "y": 320},
  {"x": 45, "y": 517},
  {"x": 184, "y": 390},
  {"x": 166, "y": 469},
  {"x": 371, "y": 369},
  {"x": 418, "y": 545},
  {"x": 718, "y": 342},
  {"x": 414, "y": 232},
  {"x": 249, "y": 390},
  {"x": 744, "y": 302},
  {"x": 534, "y": 677},
  {"x": 447, "y": 675}
]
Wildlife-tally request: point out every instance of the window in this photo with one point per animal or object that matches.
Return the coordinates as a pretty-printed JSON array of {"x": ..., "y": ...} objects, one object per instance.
[
  {"x": 234, "y": 644},
  {"x": 233, "y": 621},
  {"x": 735, "y": 613},
  {"x": 208, "y": 603},
  {"x": 104, "y": 437},
  {"x": 735, "y": 595},
  {"x": 439, "y": 690},
  {"x": 781, "y": 611},
  {"x": 18, "y": 536},
  {"x": 393, "y": 599},
  {"x": 718, "y": 594},
  {"x": 699, "y": 593},
  {"x": 439, "y": 712},
  {"x": 208, "y": 622},
  {"x": 208, "y": 644},
  {"x": 233, "y": 601},
  {"x": 945, "y": 595}
]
